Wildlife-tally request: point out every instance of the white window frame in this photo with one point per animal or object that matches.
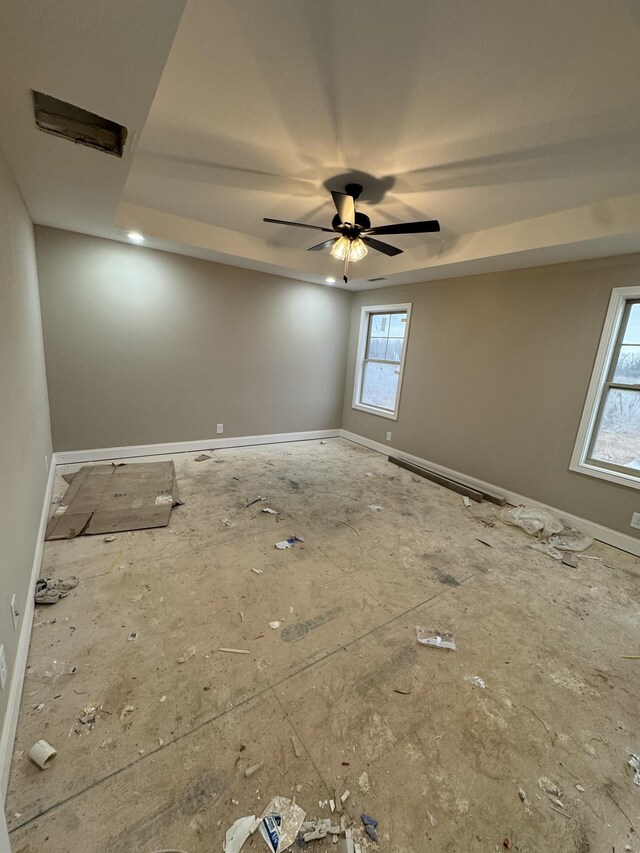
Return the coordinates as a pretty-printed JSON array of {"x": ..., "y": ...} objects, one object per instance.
[
  {"x": 365, "y": 314},
  {"x": 606, "y": 352}
]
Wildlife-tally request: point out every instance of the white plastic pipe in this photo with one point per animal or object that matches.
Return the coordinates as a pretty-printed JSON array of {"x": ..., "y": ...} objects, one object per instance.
[{"x": 42, "y": 754}]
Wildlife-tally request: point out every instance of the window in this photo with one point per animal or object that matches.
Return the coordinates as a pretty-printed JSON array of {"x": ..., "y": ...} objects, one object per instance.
[
  {"x": 608, "y": 444},
  {"x": 380, "y": 361}
]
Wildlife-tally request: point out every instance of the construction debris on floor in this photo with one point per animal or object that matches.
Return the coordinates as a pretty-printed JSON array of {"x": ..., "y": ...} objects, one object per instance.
[
  {"x": 113, "y": 498},
  {"x": 42, "y": 754},
  {"x": 554, "y": 536},
  {"x": 50, "y": 590},
  {"x": 199, "y": 684}
]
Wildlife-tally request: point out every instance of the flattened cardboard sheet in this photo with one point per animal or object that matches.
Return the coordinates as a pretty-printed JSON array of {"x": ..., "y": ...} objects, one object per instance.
[{"x": 110, "y": 499}]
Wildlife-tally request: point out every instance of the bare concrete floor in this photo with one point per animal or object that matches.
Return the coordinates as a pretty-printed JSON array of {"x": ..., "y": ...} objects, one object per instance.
[{"x": 560, "y": 702}]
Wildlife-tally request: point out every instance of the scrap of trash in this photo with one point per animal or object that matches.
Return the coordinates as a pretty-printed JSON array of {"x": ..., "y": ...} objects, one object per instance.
[
  {"x": 283, "y": 823},
  {"x": 552, "y": 791},
  {"x": 238, "y": 833},
  {"x": 634, "y": 762},
  {"x": 288, "y": 543},
  {"x": 441, "y": 640},
  {"x": 126, "y": 711},
  {"x": 524, "y": 800},
  {"x": 187, "y": 654},
  {"x": 280, "y": 823},
  {"x": 54, "y": 671},
  {"x": 554, "y": 537},
  {"x": 50, "y": 590},
  {"x": 42, "y": 754},
  {"x": 87, "y": 719},
  {"x": 370, "y": 826},
  {"x": 475, "y": 679}
]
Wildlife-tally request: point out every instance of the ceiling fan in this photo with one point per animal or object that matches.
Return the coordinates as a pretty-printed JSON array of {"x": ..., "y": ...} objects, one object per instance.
[{"x": 354, "y": 232}]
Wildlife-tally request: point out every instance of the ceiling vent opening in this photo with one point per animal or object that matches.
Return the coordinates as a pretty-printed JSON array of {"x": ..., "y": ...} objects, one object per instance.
[
  {"x": 380, "y": 278},
  {"x": 78, "y": 125}
]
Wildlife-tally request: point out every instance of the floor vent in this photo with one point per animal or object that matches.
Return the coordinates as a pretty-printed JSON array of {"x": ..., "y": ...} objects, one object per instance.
[{"x": 78, "y": 125}]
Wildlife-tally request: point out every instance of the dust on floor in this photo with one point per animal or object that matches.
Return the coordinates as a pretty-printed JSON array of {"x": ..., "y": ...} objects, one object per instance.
[{"x": 406, "y": 728}]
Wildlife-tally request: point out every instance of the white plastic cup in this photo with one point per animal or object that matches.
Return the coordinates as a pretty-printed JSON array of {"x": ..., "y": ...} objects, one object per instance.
[{"x": 42, "y": 754}]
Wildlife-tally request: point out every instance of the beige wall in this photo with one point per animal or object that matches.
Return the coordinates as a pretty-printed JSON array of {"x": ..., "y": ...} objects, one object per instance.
[
  {"x": 145, "y": 346},
  {"x": 496, "y": 375},
  {"x": 25, "y": 438}
]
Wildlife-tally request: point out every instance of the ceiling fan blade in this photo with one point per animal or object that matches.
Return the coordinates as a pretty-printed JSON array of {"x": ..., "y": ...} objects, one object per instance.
[
  {"x": 322, "y": 246},
  {"x": 345, "y": 206},
  {"x": 385, "y": 248},
  {"x": 298, "y": 224},
  {"x": 426, "y": 227}
]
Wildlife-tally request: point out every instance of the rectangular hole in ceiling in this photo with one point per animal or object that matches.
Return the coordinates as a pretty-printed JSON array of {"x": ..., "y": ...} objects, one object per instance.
[
  {"x": 379, "y": 278},
  {"x": 78, "y": 125}
]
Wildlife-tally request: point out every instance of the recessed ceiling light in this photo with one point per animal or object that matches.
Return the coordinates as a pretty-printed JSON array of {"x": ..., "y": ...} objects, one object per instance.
[
  {"x": 135, "y": 237},
  {"x": 330, "y": 280}
]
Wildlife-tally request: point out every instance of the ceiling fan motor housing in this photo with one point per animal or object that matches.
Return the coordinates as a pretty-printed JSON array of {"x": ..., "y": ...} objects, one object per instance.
[
  {"x": 354, "y": 190},
  {"x": 362, "y": 222}
]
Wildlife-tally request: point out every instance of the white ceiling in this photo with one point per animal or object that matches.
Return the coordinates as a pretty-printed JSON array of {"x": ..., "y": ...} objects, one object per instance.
[
  {"x": 106, "y": 57},
  {"x": 517, "y": 125}
]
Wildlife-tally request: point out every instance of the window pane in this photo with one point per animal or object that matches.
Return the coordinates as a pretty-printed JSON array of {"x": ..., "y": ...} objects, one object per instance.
[
  {"x": 380, "y": 385},
  {"x": 377, "y": 348},
  {"x": 398, "y": 325},
  {"x": 632, "y": 332},
  {"x": 618, "y": 438},
  {"x": 379, "y": 325},
  {"x": 394, "y": 349},
  {"x": 628, "y": 366}
]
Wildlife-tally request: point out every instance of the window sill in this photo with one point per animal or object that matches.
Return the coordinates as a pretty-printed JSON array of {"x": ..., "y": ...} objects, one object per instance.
[
  {"x": 606, "y": 474},
  {"x": 384, "y": 413}
]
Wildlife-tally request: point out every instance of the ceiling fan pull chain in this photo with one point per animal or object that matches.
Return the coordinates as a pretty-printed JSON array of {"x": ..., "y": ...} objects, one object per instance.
[{"x": 346, "y": 268}]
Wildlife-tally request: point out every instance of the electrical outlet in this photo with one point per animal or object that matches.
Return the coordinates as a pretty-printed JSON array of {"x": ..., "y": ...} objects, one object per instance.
[
  {"x": 220, "y": 429},
  {"x": 3, "y": 668},
  {"x": 635, "y": 520},
  {"x": 14, "y": 612},
  {"x": 388, "y": 436}
]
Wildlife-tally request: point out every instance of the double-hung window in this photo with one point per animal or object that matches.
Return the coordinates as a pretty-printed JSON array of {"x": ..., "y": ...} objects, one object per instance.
[
  {"x": 608, "y": 444},
  {"x": 382, "y": 346}
]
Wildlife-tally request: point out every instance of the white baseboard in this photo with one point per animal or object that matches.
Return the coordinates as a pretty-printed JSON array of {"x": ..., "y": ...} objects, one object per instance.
[
  {"x": 19, "y": 667},
  {"x": 598, "y": 531},
  {"x": 106, "y": 453}
]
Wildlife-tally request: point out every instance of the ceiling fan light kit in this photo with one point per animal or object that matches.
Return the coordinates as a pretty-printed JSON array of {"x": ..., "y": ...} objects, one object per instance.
[
  {"x": 349, "y": 249},
  {"x": 355, "y": 232}
]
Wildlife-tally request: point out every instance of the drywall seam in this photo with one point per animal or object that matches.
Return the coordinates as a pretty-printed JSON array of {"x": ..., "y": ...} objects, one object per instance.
[
  {"x": 598, "y": 531},
  {"x": 10, "y": 725},
  {"x": 106, "y": 453}
]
